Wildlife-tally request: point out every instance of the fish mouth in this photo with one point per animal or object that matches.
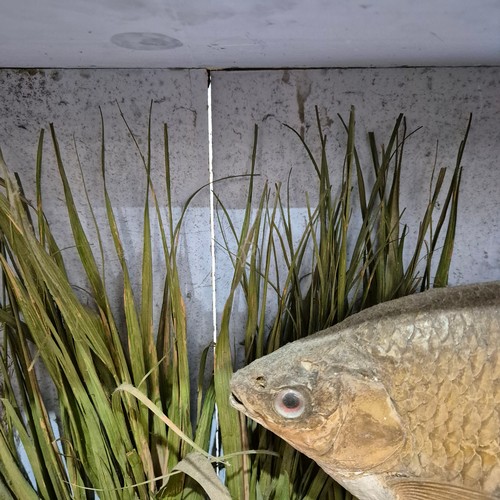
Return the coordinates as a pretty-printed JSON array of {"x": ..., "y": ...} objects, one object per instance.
[{"x": 237, "y": 403}]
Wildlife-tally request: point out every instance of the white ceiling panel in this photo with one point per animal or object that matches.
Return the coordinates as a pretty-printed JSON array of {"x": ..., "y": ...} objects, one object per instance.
[{"x": 248, "y": 33}]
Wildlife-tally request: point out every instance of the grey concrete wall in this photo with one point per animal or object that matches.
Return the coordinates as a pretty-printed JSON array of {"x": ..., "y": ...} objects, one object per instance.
[
  {"x": 30, "y": 99},
  {"x": 438, "y": 99}
]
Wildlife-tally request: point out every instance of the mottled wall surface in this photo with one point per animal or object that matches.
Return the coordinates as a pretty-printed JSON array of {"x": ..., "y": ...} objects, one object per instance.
[
  {"x": 71, "y": 99},
  {"x": 438, "y": 99}
]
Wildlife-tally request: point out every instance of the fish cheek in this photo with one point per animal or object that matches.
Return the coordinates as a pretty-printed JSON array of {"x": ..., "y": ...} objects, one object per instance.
[{"x": 371, "y": 432}]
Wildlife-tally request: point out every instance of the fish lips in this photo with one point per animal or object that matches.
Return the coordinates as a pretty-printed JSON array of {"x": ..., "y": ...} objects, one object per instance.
[
  {"x": 236, "y": 403},
  {"x": 238, "y": 400},
  {"x": 244, "y": 382},
  {"x": 235, "y": 399}
]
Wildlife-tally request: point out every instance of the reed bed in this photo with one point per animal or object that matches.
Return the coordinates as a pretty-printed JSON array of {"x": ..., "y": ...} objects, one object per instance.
[{"x": 124, "y": 428}]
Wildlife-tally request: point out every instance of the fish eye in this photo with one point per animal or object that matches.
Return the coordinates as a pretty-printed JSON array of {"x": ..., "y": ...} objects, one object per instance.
[{"x": 289, "y": 403}]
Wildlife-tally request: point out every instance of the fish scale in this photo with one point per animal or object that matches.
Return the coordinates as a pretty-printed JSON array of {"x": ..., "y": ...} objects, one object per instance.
[
  {"x": 399, "y": 401},
  {"x": 437, "y": 360}
]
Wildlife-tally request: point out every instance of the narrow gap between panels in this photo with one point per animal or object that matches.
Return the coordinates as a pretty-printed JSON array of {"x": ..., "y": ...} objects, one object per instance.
[
  {"x": 212, "y": 211},
  {"x": 215, "y": 424}
]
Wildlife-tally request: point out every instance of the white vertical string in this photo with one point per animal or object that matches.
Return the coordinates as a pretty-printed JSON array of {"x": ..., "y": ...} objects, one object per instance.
[
  {"x": 212, "y": 211},
  {"x": 212, "y": 248}
]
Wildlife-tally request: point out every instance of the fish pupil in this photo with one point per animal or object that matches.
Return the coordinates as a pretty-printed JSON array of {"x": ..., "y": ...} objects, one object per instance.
[
  {"x": 291, "y": 400},
  {"x": 289, "y": 403}
]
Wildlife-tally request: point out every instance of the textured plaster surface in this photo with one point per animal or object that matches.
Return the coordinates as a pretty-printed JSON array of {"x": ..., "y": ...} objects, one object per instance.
[
  {"x": 70, "y": 99},
  {"x": 439, "y": 100}
]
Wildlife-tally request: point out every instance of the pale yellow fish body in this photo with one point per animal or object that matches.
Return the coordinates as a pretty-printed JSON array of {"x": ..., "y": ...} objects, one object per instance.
[{"x": 398, "y": 402}]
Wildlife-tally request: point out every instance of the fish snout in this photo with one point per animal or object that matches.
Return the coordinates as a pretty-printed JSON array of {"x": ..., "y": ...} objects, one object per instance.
[
  {"x": 236, "y": 402},
  {"x": 243, "y": 387}
]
